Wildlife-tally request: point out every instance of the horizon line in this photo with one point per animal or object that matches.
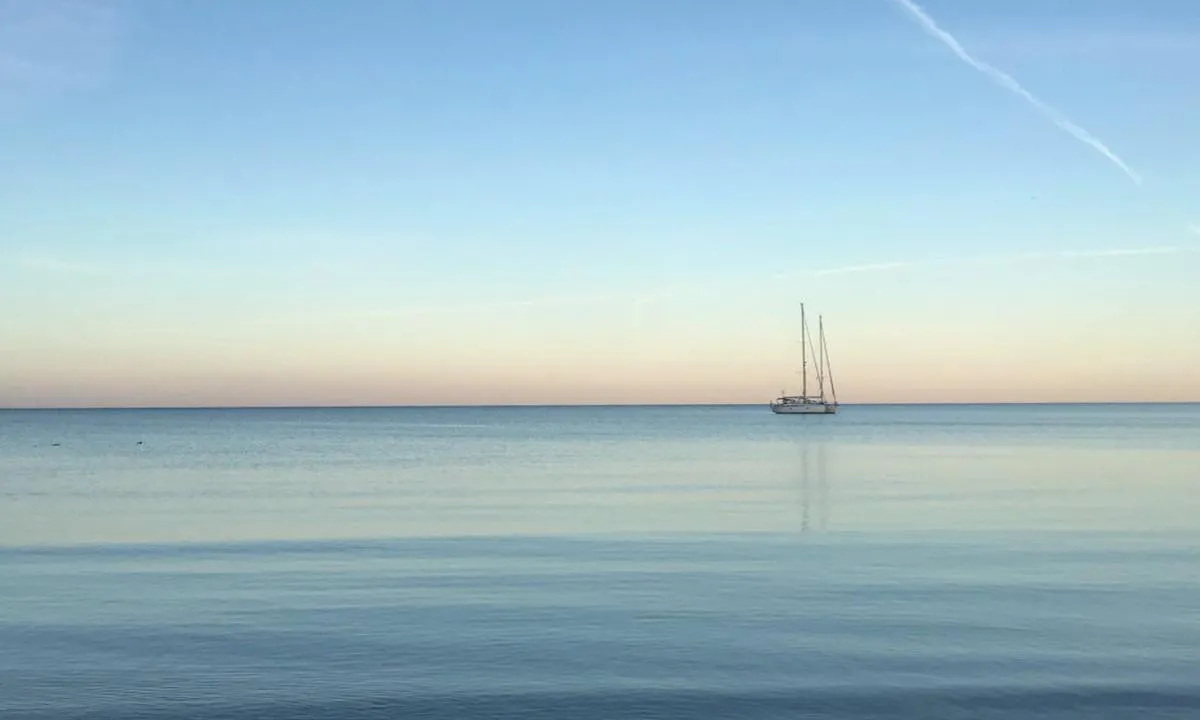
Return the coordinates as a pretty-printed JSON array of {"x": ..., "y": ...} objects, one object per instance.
[{"x": 501, "y": 406}]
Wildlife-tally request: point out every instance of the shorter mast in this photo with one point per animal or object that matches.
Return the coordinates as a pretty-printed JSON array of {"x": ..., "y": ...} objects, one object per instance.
[
  {"x": 825, "y": 355},
  {"x": 820, "y": 363}
]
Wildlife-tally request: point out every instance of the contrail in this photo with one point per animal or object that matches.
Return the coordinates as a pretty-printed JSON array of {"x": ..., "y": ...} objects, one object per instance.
[{"x": 1007, "y": 82}]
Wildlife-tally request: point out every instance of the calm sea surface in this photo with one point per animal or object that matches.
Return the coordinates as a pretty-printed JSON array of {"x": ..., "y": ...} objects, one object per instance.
[{"x": 594, "y": 563}]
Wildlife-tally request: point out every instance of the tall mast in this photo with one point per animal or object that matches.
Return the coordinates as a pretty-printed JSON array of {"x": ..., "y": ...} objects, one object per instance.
[{"x": 803, "y": 354}]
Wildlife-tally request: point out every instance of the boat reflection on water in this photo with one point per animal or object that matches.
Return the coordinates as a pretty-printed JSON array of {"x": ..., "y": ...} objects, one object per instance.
[{"x": 814, "y": 486}]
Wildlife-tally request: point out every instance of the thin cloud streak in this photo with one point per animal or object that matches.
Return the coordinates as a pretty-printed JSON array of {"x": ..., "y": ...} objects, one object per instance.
[
  {"x": 519, "y": 304},
  {"x": 70, "y": 266},
  {"x": 993, "y": 259},
  {"x": 79, "y": 268},
  {"x": 115, "y": 269},
  {"x": 1007, "y": 82},
  {"x": 871, "y": 267},
  {"x": 57, "y": 266},
  {"x": 683, "y": 288},
  {"x": 1121, "y": 252}
]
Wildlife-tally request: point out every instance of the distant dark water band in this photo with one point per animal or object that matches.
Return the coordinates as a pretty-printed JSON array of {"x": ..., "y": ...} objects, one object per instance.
[{"x": 1092, "y": 703}]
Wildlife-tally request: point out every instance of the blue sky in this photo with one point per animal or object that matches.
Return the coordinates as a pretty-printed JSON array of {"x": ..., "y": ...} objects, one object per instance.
[{"x": 566, "y": 201}]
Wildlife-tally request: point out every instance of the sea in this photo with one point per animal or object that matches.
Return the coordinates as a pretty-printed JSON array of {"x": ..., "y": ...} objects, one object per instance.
[{"x": 588, "y": 563}]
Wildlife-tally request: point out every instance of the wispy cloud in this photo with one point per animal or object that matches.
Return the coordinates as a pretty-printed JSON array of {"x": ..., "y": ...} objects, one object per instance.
[
  {"x": 1195, "y": 228},
  {"x": 51, "y": 46},
  {"x": 1007, "y": 82},
  {"x": 1121, "y": 252},
  {"x": 680, "y": 289},
  {"x": 82, "y": 269},
  {"x": 989, "y": 259},
  {"x": 559, "y": 300},
  {"x": 870, "y": 267},
  {"x": 49, "y": 264},
  {"x": 77, "y": 266}
]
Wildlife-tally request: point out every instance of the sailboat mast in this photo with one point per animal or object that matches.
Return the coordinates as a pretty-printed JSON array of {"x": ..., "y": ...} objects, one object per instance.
[
  {"x": 803, "y": 354},
  {"x": 820, "y": 364},
  {"x": 821, "y": 358},
  {"x": 825, "y": 361}
]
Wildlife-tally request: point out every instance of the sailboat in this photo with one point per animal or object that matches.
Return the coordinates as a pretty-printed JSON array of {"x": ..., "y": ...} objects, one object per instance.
[{"x": 805, "y": 404}]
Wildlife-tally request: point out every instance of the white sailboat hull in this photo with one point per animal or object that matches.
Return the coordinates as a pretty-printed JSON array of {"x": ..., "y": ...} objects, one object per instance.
[{"x": 811, "y": 408}]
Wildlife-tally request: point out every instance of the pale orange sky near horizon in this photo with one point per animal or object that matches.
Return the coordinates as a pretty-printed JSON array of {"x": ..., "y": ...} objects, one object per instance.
[{"x": 892, "y": 339}]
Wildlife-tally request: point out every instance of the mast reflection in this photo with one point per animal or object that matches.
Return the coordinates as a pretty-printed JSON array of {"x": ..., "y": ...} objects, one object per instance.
[{"x": 814, "y": 486}]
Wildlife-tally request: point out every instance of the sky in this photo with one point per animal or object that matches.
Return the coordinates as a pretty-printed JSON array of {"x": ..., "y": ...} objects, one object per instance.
[{"x": 562, "y": 201}]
